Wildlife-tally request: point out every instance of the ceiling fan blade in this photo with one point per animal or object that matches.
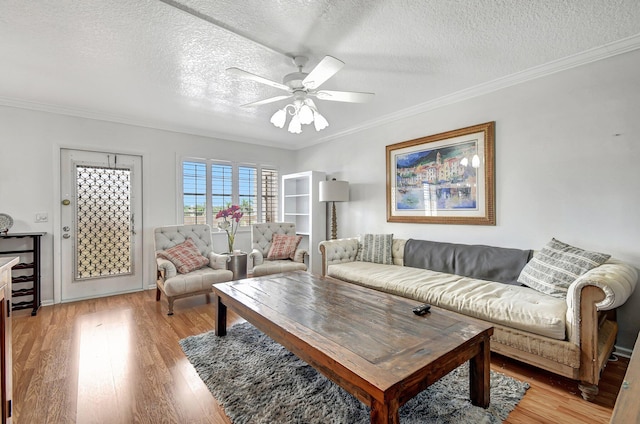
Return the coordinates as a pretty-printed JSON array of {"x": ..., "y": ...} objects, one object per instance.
[
  {"x": 324, "y": 70},
  {"x": 266, "y": 101},
  {"x": 248, "y": 75},
  {"x": 344, "y": 96}
]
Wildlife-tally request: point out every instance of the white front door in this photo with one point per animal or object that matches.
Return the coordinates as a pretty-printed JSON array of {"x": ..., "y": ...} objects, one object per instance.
[{"x": 101, "y": 219}]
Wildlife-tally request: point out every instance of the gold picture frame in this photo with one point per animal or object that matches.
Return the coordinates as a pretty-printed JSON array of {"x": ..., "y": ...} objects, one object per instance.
[{"x": 446, "y": 178}]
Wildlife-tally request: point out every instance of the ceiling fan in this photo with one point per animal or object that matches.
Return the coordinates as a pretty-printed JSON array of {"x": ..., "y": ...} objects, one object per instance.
[{"x": 302, "y": 86}]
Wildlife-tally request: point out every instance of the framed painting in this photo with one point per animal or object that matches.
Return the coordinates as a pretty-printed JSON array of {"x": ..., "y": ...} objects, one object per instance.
[{"x": 446, "y": 178}]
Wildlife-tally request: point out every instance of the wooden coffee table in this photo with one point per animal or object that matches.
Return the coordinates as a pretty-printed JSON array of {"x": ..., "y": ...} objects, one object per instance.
[{"x": 368, "y": 342}]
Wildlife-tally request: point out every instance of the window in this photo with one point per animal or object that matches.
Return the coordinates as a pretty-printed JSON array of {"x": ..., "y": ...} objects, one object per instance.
[
  {"x": 247, "y": 194},
  {"x": 209, "y": 186},
  {"x": 194, "y": 192},
  {"x": 269, "y": 195},
  {"x": 221, "y": 187}
]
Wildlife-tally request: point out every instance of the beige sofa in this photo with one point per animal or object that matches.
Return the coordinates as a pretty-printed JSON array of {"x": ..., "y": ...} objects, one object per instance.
[{"x": 572, "y": 337}]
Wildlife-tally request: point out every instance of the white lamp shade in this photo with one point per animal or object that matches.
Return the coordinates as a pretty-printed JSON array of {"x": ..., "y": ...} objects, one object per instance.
[
  {"x": 294, "y": 125},
  {"x": 319, "y": 121},
  {"x": 279, "y": 118},
  {"x": 334, "y": 191},
  {"x": 305, "y": 114}
]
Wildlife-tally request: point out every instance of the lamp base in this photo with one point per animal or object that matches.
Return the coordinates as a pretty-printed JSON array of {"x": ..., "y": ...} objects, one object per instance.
[{"x": 334, "y": 222}]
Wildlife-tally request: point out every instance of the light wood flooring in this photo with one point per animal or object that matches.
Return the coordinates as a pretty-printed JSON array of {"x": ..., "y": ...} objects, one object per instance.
[{"x": 117, "y": 360}]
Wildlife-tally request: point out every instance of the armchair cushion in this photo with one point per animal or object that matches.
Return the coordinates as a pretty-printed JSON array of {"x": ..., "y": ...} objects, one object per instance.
[
  {"x": 185, "y": 256},
  {"x": 283, "y": 247}
]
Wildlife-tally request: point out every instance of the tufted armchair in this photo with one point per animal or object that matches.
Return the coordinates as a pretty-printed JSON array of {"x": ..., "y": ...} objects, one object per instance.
[
  {"x": 261, "y": 237},
  {"x": 175, "y": 285}
]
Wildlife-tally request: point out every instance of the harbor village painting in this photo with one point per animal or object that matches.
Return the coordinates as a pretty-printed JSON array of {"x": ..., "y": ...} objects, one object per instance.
[
  {"x": 445, "y": 178},
  {"x": 440, "y": 179}
]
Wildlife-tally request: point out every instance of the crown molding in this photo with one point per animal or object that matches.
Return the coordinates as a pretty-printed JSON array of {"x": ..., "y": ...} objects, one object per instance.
[
  {"x": 615, "y": 48},
  {"x": 120, "y": 119},
  {"x": 595, "y": 54}
]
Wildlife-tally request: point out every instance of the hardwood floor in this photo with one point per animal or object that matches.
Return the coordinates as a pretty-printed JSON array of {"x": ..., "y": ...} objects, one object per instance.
[{"x": 117, "y": 360}]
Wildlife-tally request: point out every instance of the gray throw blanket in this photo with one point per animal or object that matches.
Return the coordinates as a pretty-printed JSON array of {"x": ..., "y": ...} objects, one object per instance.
[{"x": 476, "y": 261}]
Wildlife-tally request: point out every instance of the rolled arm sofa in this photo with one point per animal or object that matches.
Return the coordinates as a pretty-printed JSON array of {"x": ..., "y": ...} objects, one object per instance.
[{"x": 572, "y": 336}]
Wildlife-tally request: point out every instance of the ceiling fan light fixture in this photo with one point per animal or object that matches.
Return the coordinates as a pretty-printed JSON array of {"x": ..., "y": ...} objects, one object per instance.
[
  {"x": 294, "y": 126},
  {"x": 305, "y": 114},
  {"x": 319, "y": 121},
  {"x": 279, "y": 118}
]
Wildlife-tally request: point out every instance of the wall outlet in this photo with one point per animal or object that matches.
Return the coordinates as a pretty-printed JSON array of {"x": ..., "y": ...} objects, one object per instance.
[{"x": 42, "y": 217}]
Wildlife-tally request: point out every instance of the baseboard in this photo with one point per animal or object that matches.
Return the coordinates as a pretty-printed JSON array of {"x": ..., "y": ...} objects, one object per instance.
[{"x": 622, "y": 351}]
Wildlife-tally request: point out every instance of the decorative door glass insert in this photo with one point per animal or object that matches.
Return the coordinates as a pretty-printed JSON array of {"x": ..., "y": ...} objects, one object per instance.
[{"x": 103, "y": 222}]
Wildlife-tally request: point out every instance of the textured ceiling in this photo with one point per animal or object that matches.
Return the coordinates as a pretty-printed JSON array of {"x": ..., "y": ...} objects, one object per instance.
[{"x": 161, "y": 63}]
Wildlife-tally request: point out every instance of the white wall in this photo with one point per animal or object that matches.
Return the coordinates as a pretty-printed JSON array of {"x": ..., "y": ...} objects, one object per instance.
[
  {"x": 29, "y": 173},
  {"x": 567, "y": 166}
]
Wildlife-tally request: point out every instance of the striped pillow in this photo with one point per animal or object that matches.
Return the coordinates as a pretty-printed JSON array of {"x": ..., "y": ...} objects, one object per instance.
[
  {"x": 558, "y": 265},
  {"x": 376, "y": 248}
]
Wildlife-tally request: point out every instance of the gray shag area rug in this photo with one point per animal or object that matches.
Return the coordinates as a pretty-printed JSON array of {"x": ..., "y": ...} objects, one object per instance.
[{"x": 256, "y": 380}]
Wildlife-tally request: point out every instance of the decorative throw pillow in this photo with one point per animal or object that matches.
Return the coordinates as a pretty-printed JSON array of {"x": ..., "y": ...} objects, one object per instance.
[
  {"x": 185, "y": 256},
  {"x": 376, "y": 248},
  {"x": 558, "y": 265},
  {"x": 283, "y": 247}
]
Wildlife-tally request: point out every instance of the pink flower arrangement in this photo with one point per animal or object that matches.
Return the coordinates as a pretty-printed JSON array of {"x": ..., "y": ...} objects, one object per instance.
[{"x": 229, "y": 215}]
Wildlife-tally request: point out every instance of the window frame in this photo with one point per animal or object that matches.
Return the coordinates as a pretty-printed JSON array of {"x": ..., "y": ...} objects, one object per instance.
[{"x": 235, "y": 187}]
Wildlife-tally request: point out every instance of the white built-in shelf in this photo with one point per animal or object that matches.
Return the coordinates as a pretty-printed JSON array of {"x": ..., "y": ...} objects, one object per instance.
[{"x": 301, "y": 205}]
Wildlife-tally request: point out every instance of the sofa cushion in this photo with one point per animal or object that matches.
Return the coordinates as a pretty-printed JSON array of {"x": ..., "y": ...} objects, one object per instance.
[
  {"x": 275, "y": 267},
  {"x": 512, "y": 306},
  {"x": 376, "y": 248},
  {"x": 185, "y": 256},
  {"x": 476, "y": 261},
  {"x": 283, "y": 247},
  {"x": 198, "y": 280},
  {"x": 557, "y": 265}
]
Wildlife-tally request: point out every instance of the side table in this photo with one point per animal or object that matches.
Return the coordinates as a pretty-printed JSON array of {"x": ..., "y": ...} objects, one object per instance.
[{"x": 238, "y": 265}]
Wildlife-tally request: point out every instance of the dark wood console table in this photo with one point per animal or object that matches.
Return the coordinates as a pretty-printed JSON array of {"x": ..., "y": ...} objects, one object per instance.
[{"x": 26, "y": 287}]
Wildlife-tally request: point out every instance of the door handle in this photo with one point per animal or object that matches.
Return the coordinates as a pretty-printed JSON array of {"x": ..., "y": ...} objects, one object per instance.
[{"x": 66, "y": 236}]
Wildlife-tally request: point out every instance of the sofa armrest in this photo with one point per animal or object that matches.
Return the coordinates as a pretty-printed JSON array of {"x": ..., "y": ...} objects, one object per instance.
[
  {"x": 167, "y": 267},
  {"x": 299, "y": 255},
  {"x": 603, "y": 288},
  {"x": 615, "y": 279},
  {"x": 337, "y": 251},
  {"x": 218, "y": 260},
  {"x": 256, "y": 257}
]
